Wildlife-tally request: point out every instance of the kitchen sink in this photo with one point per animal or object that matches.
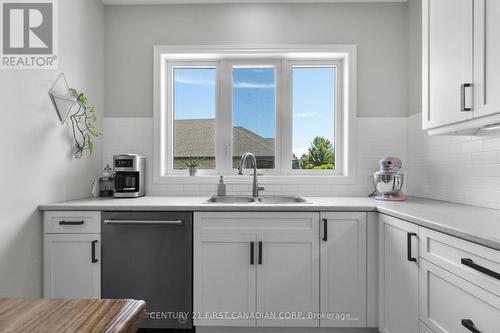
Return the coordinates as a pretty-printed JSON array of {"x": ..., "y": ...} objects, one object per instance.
[
  {"x": 270, "y": 199},
  {"x": 280, "y": 199},
  {"x": 231, "y": 199}
]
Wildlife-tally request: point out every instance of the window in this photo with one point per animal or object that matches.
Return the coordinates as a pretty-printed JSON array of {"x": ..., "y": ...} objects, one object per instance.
[
  {"x": 194, "y": 116},
  {"x": 313, "y": 100},
  {"x": 254, "y": 114},
  {"x": 290, "y": 108}
]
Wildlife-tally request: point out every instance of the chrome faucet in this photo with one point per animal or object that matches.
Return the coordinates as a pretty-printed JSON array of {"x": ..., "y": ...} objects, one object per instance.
[{"x": 256, "y": 188}]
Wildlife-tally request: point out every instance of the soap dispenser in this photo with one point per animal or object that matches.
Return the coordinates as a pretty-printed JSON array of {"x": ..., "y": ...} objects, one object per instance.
[{"x": 221, "y": 187}]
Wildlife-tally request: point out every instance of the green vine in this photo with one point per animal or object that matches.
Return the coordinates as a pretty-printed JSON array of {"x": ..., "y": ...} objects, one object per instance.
[{"x": 83, "y": 125}]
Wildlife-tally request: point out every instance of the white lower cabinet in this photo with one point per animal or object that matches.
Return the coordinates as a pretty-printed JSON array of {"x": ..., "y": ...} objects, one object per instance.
[
  {"x": 450, "y": 304},
  {"x": 343, "y": 269},
  {"x": 225, "y": 278},
  {"x": 398, "y": 276},
  {"x": 256, "y": 269},
  {"x": 71, "y": 266},
  {"x": 71, "y": 254},
  {"x": 288, "y": 277},
  {"x": 268, "y": 265}
]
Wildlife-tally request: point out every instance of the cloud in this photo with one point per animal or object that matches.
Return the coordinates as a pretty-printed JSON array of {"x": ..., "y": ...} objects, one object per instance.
[
  {"x": 300, "y": 151},
  {"x": 194, "y": 81},
  {"x": 252, "y": 85},
  {"x": 305, "y": 114},
  {"x": 211, "y": 83}
]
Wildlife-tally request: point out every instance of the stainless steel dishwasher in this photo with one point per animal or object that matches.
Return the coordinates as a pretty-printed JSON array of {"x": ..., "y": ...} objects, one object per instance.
[{"x": 148, "y": 256}]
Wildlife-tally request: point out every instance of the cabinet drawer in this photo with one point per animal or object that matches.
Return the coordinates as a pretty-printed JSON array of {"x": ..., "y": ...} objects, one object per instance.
[
  {"x": 262, "y": 222},
  {"x": 475, "y": 263},
  {"x": 449, "y": 304},
  {"x": 71, "y": 222}
]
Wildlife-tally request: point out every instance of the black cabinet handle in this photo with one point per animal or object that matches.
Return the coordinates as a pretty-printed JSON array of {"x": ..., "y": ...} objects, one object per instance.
[
  {"x": 408, "y": 244},
  {"x": 469, "y": 263},
  {"x": 260, "y": 253},
  {"x": 92, "y": 246},
  {"x": 252, "y": 253},
  {"x": 462, "y": 97},
  {"x": 468, "y": 324},
  {"x": 325, "y": 230},
  {"x": 71, "y": 222}
]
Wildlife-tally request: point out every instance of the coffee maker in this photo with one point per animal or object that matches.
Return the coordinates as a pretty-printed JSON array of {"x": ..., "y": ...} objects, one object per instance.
[{"x": 129, "y": 175}]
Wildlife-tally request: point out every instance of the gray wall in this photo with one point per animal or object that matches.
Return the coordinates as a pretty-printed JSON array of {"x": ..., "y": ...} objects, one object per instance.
[
  {"x": 415, "y": 56},
  {"x": 380, "y": 30},
  {"x": 36, "y": 163}
]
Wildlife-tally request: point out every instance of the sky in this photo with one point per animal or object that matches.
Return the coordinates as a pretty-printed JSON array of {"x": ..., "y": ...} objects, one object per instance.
[{"x": 254, "y": 99}]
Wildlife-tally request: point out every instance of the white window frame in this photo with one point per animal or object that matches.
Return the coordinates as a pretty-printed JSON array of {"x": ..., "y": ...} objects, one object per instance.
[
  {"x": 338, "y": 130},
  {"x": 284, "y": 58},
  {"x": 255, "y": 63},
  {"x": 169, "y": 136}
]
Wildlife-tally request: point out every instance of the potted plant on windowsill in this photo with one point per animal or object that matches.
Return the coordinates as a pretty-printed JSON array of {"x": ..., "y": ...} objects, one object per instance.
[{"x": 193, "y": 164}]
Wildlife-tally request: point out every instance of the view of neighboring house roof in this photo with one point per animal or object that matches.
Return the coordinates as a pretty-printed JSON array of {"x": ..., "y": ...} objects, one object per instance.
[{"x": 196, "y": 137}]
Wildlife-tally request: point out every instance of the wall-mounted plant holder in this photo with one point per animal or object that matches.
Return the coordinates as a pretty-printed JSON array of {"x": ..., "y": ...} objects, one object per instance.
[
  {"x": 72, "y": 104},
  {"x": 61, "y": 98}
]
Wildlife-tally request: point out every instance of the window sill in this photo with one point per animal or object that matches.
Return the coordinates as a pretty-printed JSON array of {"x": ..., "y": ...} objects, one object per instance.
[{"x": 263, "y": 179}]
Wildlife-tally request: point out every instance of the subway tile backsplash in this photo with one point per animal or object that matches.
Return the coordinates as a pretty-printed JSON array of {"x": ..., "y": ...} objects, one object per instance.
[
  {"x": 462, "y": 169},
  {"x": 376, "y": 138}
]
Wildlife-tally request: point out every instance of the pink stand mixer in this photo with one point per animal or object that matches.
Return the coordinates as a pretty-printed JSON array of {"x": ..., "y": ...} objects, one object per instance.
[{"x": 388, "y": 181}]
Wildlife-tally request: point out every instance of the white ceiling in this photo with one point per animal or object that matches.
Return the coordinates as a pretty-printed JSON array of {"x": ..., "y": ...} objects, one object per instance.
[{"x": 168, "y": 2}]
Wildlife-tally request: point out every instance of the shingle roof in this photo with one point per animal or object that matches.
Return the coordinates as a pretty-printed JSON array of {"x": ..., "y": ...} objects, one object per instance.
[{"x": 196, "y": 137}]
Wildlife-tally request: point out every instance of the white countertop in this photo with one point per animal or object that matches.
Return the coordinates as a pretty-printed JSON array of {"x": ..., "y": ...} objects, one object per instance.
[{"x": 479, "y": 225}]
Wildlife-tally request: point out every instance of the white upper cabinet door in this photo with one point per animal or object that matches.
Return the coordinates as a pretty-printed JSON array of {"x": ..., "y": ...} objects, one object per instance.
[
  {"x": 343, "y": 269},
  {"x": 224, "y": 278},
  {"x": 72, "y": 267},
  {"x": 447, "y": 62},
  {"x": 288, "y": 277},
  {"x": 398, "y": 276},
  {"x": 487, "y": 57}
]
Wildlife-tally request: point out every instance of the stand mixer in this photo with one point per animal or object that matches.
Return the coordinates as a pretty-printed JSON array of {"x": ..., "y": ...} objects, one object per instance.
[{"x": 388, "y": 182}]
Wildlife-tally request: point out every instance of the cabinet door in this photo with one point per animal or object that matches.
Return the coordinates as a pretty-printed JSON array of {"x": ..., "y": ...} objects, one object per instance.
[
  {"x": 288, "y": 278},
  {"x": 343, "y": 269},
  {"x": 487, "y": 57},
  {"x": 224, "y": 278},
  {"x": 72, "y": 267},
  {"x": 398, "y": 276},
  {"x": 447, "y": 61}
]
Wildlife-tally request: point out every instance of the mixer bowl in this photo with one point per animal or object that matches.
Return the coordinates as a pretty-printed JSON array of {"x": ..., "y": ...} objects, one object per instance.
[{"x": 388, "y": 182}]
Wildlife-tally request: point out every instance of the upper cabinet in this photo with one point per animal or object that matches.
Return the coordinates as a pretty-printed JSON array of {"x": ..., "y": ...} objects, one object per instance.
[
  {"x": 461, "y": 65},
  {"x": 487, "y": 57},
  {"x": 448, "y": 61}
]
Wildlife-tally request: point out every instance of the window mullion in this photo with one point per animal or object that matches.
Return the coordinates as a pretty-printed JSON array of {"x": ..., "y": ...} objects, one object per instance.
[
  {"x": 224, "y": 119},
  {"x": 286, "y": 118}
]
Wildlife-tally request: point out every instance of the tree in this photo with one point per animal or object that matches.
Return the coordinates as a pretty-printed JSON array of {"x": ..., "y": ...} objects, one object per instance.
[{"x": 320, "y": 155}]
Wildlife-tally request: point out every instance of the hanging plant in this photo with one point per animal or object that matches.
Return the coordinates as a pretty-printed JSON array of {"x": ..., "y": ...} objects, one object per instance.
[{"x": 83, "y": 124}]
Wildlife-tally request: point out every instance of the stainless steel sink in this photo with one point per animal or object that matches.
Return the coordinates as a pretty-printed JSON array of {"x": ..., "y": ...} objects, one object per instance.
[
  {"x": 280, "y": 199},
  {"x": 271, "y": 199},
  {"x": 231, "y": 199}
]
